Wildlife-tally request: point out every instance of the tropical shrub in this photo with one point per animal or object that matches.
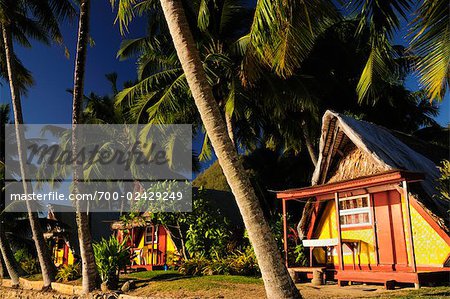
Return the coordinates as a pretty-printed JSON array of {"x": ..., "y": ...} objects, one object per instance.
[
  {"x": 244, "y": 263},
  {"x": 194, "y": 266},
  {"x": 218, "y": 266},
  {"x": 27, "y": 262},
  {"x": 68, "y": 272},
  {"x": 111, "y": 256},
  {"x": 299, "y": 255},
  {"x": 237, "y": 263},
  {"x": 208, "y": 232}
]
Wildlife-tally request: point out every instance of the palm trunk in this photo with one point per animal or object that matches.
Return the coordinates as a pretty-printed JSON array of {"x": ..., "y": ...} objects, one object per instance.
[
  {"x": 277, "y": 281},
  {"x": 47, "y": 267},
  {"x": 8, "y": 258},
  {"x": 2, "y": 270},
  {"x": 8, "y": 261},
  {"x": 88, "y": 266},
  {"x": 230, "y": 128}
]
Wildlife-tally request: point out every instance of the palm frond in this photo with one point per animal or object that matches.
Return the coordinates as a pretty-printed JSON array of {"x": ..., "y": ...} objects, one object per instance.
[
  {"x": 148, "y": 85},
  {"x": 203, "y": 15},
  {"x": 282, "y": 32},
  {"x": 376, "y": 68},
  {"x": 126, "y": 11},
  {"x": 206, "y": 151},
  {"x": 431, "y": 41},
  {"x": 382, "y": 20}
]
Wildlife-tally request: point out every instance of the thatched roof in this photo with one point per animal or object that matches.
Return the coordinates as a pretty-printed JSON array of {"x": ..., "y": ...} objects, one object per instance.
[
  {"x": 341, "y": 132},
  {"x": 142, "y": 220},
  {"x": 122, "y": 225}
]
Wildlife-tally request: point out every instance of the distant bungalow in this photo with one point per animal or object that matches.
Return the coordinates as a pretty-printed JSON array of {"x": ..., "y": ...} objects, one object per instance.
[
  {"x": 372, "y": 214},
  {"x": 152, "y": 244}
]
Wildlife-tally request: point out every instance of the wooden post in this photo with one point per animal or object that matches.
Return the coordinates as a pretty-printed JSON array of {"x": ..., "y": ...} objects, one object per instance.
[
  {"x": 285, "y": 245},
  {"x": 338, "y": 224},
  {"x": 311, "y": 256},
  {"x": 374, "y": 228},
  {"x": 409, "y": 226},
  {"x": 153, "y": 243}
]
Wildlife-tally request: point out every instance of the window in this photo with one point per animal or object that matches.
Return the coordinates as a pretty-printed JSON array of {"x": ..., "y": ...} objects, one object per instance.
[
  {"x": 148, "y": 234},
  {"x": 355, "y": 211}
]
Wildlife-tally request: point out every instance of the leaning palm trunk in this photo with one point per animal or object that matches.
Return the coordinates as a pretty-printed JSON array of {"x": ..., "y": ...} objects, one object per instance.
[
  {"x": 277, "y": 281},
  {"x": 47, "y": 267},
  {"x": 89, "y": 269},
  {"x": 8, "y": 257},
  {"x": 230, "y": 128}
]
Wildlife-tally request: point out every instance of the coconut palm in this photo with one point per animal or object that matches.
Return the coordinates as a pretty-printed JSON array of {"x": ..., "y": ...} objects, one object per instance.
[
  {"x": 278, "y": 283},
  {"x": 88, "y": 268},
  {"x": 20, "y": 20},
  {"x": 163, "y": 96},
  {"x": 271, "y": 23},
  {"x": 7, "y": 254}
]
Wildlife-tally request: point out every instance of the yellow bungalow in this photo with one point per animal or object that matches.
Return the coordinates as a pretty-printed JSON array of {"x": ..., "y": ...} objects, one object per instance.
[
  {"x": 152, "y": 244},
  {"x": 372, "y": 214}
]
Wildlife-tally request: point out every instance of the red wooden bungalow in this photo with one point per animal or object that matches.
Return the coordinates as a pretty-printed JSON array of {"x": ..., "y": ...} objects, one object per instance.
[
  {"x": 151, "y": 243},
  {"x": 372, "y": 214}
]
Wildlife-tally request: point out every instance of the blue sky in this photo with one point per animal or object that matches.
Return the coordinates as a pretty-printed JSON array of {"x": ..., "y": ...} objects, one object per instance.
[{"x": 47, "y": 101}]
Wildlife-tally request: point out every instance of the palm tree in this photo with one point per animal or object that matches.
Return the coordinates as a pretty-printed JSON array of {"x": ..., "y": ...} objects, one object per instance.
[
  {"x": 163, "y": 96},
  {"x": 89, "y": 268},
  {"x": 277, "y": 281},
  {"x": 38, "y": 19},
  {"x": 7, "y": 254}
]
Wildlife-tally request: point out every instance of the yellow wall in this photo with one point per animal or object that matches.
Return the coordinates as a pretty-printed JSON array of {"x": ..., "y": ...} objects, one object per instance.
[
  {"x": 59, "y": 254},
  {"x": 327, "y": 229},
  {"x": 430, "y": 248},
  {"x": 172, "y": 255},
  {"x": 170, "y": 251}
]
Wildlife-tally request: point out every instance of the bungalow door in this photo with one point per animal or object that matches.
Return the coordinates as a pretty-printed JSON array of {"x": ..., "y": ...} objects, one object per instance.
[{"x": 391, "y": 245}]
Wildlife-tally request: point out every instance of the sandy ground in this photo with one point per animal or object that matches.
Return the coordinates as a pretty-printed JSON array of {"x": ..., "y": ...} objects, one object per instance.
[{"x": 251, "y": 291}]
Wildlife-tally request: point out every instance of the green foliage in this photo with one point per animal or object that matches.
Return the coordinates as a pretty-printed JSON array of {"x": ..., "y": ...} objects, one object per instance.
[
  {"x": 444, "y": 180},
  {"x": 296, "y": 251},
  {"x": 431, "y": 42},
  {"x": 299, "y": 254},
  {"x": 208, "y": 231},
  {"x": 111, "y": 256},
  {"x": 244, "y": 263},
  {"x": 68, "y": 272},
  {"x": 194, "y": 266},
  {"x": 26, "y": 261},
  {"x": 236, "y": 263}
]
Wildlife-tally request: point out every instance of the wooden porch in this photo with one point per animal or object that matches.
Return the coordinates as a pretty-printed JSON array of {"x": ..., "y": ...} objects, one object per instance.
[{"x": 390, "y": 278}]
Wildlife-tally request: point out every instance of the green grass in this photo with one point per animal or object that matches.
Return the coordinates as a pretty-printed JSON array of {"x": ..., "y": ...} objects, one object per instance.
[
  {"x": 204, "y": 283},
  {"x": 173, "y": 280},
  {"x": 425, "y": 292},
  {"x": 153, "y": 275},
  {"x": 231, "y": 279}
]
